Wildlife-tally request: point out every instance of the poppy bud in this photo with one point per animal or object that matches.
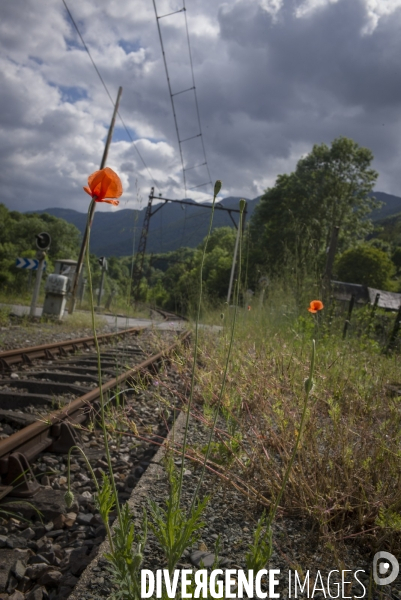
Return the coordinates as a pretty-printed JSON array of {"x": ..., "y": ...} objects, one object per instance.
[
  {"x": 217, "y": 187},
  {"x": 137, "y": 560},
  {"x": 242, "y": 204},
  {"x": 309, "y": 384},
  {"x": 68, "y": 498}
]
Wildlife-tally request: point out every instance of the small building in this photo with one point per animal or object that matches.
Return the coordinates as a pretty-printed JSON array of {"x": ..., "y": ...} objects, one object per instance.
[{"x": 365, "y": 295}]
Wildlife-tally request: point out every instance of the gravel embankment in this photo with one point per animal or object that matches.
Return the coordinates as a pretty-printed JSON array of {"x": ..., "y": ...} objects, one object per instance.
[
  {"x": 23, "y": 333},
  {"x": 231, "y": 517},
  {"x": 70, "y": 542}
]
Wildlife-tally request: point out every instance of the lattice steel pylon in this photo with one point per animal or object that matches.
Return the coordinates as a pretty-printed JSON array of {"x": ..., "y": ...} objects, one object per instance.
[{"x": 137, "y": 268}]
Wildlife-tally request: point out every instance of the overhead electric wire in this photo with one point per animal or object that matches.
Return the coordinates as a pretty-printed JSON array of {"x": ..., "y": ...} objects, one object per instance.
[
  {"x": 170, "y": 92},
  {"x": 180, "y": 141},
  {"x": 108, "y": 93},
  {"x": 194, "y": 87}
]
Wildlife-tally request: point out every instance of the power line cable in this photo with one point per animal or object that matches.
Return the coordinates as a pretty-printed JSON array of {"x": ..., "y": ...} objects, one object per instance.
[
  {"x": 195, "y": 95},
  {"x": 108, "y": 93},
  {"x": 172, "y": 95},
  {"x": 170, "y": 92}
]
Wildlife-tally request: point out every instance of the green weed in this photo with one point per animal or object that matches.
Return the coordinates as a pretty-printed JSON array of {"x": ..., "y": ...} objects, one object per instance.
[{"x": 173, "y": 528}]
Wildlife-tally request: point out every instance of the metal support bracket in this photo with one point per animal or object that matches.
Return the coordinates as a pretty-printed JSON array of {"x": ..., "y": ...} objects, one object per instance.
[
  {"x": 4, "y": 366},
  {"x": 25, "y": 359},
  {"x": 20, "y": 476},
  {"x": 66, "y": 437}
]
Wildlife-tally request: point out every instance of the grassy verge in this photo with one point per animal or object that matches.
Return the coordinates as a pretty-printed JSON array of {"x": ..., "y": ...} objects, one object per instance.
[{"x": 346, "y": 474}]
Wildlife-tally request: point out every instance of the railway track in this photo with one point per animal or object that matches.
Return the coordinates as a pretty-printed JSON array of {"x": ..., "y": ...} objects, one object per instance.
[
  {"x": 33, "y": 456},
  {"x": 57, "y": 349},
  {"x": 168, "y": 316}
]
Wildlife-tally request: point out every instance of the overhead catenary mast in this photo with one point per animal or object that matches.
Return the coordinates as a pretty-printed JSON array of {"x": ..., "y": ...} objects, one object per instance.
[{"x": 137, "y": 269}]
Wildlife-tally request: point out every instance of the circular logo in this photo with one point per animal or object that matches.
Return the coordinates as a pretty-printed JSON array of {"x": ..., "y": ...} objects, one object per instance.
[{"x": 390, "y": 560}]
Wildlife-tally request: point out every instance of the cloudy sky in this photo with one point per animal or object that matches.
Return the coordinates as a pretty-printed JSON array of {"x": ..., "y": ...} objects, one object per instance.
[{"x": 273, "y": 77}]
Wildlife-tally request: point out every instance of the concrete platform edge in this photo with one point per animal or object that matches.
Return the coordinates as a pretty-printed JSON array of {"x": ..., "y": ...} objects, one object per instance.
[{"x": 138, "y": 497}]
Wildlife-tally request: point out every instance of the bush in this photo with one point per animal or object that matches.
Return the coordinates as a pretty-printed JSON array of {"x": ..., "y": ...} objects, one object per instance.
[
  {"x": 396, "y": 258},
  {"x": 365, "y": 265}
]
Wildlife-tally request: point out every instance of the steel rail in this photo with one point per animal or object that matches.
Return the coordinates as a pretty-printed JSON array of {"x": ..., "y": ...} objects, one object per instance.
[
  {"x": 11, "y": 357},
  {"x": 43, "y": 434},
  {"x": 169, "y": 316}
]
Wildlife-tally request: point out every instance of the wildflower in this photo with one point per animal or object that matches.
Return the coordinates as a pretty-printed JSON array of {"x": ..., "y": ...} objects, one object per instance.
[
  {"x": 217, "y": 187},
  {"x": 309, "y": 384},
  {"x": 137, "y": 559},
  {"x": 315, "y": 306},
  {"x": 249, "y": 307},
  {"x": 104, "y": 186},
  {"x": 69, "y": 498}
]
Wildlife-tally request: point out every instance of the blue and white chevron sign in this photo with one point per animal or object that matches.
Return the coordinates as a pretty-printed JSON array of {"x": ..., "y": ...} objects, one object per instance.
[{"x": 28, "y": 263}]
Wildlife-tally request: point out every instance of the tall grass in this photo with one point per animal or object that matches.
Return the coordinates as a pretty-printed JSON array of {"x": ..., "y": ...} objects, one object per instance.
[
  {"x": 346, "y": 473},
  {"x": 322, "y": 437}
]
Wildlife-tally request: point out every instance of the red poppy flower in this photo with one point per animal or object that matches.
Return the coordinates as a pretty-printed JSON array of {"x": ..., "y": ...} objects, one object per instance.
[
  {"x": 104, "y": 186},
  {"x": 315, "y": 306}
]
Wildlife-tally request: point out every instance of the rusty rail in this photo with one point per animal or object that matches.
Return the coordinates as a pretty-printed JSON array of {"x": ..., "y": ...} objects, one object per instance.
[
  {"x": 169, "y": 315},
  {"x": 12, "y": 357},
  {"x": 55, "y": 433}
]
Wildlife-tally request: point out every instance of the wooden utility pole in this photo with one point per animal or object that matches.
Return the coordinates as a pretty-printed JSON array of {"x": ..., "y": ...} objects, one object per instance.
[
  {"x": 92, "y": 211},
  {"x": 331, "y": 253},
  {"x": 327, "y": 275},
  {"x": 239, "y": 233},
  {"x": 36, "y": 289},
  {"x": 43, "y": 241},
  {"x": 230, "y": 285}
]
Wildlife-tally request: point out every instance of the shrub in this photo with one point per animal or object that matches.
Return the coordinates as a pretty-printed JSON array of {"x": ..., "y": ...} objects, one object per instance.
[{"x": 365, "y": 265}]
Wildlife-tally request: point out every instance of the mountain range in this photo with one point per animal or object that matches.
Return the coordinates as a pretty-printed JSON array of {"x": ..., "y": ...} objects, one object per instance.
[{"x": 174, "y": 225}]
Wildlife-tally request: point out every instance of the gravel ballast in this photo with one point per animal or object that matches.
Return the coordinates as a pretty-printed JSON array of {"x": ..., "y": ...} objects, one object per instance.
[{"x": 229, "y": 516}]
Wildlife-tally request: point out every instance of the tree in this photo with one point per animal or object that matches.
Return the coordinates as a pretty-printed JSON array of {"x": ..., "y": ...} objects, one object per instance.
[
  {"x": 365, "y": 265},
  {"x": 17, "y": 238},
  {"x": 293, "y": 223},
  {"x": 396, "y": 258}
]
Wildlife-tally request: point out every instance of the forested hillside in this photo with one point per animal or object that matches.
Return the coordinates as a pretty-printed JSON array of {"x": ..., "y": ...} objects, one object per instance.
[
  {"x": 287, "y": 236},
  {"x": 173, "y": 226},
  {"x": 17, "y": 239}
]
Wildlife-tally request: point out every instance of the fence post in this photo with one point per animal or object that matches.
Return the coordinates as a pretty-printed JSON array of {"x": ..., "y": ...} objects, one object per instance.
[
  {"x": 348, "y": 320},
  {"x": 394, "y": 333},
  {"x": 373, "y": 311}
]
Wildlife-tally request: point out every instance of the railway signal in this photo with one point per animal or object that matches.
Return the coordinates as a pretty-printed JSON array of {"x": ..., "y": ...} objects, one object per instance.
[{"x": 43, "y": 241}]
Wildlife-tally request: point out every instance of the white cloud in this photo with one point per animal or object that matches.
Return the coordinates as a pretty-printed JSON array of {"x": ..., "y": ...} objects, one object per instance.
[
  {"x": 272, "y": 7},
  {"x": 271, "y": 81},
  {"x": 376, "y": 9},
  {"x": 309, "y": 6}
]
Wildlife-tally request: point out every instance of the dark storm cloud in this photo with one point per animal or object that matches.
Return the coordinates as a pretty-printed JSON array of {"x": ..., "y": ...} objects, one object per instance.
[
  {"x": 309, "y": 79},
  {"x": 272, "y": 79}
]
